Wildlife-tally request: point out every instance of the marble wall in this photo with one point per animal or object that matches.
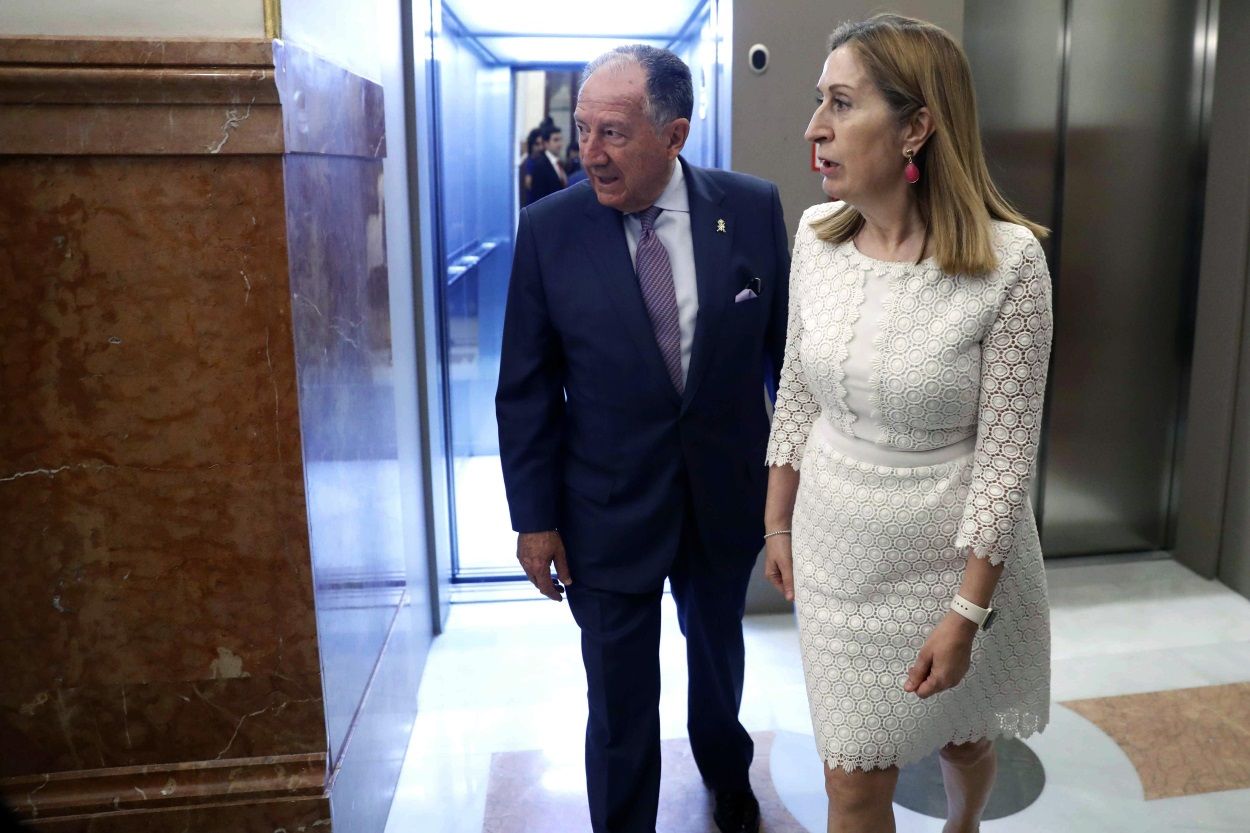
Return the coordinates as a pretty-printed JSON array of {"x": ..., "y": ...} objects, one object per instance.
[{"x": 208, "y": 601}]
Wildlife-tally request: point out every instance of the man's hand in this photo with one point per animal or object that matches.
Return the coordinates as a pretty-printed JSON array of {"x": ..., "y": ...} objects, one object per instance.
[
  {"x": 779, "y": 565},
  {"x": 537, "y": 551},
  {"x": 944, "y": 659}
]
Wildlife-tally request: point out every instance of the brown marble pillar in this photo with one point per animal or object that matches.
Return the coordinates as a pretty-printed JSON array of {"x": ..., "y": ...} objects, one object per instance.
[{"x": 159, "y": 664}]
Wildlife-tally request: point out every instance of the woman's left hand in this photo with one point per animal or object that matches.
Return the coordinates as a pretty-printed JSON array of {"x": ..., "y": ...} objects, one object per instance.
[{"x": 944, "y": 659}]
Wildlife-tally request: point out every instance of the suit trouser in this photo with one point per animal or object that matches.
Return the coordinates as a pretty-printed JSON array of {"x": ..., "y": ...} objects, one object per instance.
[{"x": 620, "y": 649}]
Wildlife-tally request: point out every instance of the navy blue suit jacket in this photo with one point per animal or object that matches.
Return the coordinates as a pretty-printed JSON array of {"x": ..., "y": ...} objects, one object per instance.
[{"x": 594, "y": 439}]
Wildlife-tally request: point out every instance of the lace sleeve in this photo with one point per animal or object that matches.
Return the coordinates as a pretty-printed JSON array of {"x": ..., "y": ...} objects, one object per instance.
[
  {"x": 796, "y": 407},
  {"x": 1014, "y": 358}
]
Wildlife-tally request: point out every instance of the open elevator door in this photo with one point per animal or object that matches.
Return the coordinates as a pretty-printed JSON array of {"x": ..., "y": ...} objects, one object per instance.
[{"x": 497, "y": 65}]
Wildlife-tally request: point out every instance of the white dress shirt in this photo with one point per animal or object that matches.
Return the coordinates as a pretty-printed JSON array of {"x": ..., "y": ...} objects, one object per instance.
[
  {"x": 673, "y": 228},
  {"x": 557, "y": 167}
]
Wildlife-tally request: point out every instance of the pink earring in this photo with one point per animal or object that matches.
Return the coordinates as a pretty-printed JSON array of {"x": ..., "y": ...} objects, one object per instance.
[{"x": 911, "y": 173}]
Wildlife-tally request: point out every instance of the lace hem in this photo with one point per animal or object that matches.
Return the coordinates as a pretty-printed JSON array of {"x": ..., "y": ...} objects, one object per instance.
[
  {"x": 862, "y": 763},
  {"x": 992, "y": 552},
  {"x": 792, "y": 457}
]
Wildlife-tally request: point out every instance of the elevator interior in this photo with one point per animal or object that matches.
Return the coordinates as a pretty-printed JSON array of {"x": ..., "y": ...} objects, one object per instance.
[{"x": 491, "y": 59}]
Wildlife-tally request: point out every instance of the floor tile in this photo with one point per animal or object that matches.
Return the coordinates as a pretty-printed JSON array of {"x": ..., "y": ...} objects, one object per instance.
[
  {"x": 1182, "y": 742},
  {"x": 506, "y": 679}
]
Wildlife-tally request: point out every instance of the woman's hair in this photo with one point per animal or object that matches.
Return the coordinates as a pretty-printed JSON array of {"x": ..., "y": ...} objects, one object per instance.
[{"x": 917, "y": 64}]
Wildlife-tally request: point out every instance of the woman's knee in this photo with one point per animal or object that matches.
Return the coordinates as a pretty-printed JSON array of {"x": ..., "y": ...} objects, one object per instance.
[
  {"x": 967, "y": 754},
  {"x": 860, "y": 790}
]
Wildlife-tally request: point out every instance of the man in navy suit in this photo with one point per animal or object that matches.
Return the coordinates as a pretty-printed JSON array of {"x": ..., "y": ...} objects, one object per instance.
[
  {"x": 646, "y": 315},
  {"x": 546, "y": 171}
]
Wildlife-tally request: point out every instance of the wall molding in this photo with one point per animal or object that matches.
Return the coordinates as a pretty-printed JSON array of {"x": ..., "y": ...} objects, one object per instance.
[
  {"x": 161, "y": 786},
  {"x": 111, "y": 96},
  {"x": 138, "y": 52},
  {"x": 108, "y": 96}
]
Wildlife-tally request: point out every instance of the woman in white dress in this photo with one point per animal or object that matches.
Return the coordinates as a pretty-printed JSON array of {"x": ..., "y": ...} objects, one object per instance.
[{"x": 905, "y": 432}]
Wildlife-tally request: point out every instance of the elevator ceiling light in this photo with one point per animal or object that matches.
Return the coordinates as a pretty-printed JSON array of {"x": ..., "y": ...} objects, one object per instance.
[
  {"x": 531, "y": 50},
  {"x": 640, "y": 20}
]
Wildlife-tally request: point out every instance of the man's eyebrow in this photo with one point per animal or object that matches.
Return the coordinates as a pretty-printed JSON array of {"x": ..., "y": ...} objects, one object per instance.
[{"x": 616, "y": 124}]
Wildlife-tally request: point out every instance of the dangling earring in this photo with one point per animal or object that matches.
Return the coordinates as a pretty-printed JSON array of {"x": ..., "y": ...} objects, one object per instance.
[{"x": 911, "y": 173}]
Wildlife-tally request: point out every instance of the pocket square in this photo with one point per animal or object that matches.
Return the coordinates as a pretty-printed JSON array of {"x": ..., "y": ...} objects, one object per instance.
[{"x": 745, "y": 295}]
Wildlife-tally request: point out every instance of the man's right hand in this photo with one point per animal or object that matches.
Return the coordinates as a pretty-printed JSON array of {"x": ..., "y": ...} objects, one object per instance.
[{"x": 537, "y": 551}]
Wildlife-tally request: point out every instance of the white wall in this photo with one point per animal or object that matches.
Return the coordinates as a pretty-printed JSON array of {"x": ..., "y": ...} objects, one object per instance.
[
  {"x": 347, "y": 34},
  {"x": 531, "y": 90},
  {"x": 134, "y": 18}
]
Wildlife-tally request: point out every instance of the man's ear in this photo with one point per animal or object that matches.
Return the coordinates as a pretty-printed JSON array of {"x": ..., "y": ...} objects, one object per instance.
[{"x": 675, "y": 136}]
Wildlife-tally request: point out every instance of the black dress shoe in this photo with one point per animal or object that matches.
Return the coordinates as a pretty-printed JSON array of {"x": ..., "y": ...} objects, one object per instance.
[{"x": 737, "y": 811}]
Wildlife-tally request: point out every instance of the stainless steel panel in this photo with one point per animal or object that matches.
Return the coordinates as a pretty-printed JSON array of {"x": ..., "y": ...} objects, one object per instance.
[
  {"x": 1201, "y": 542},
  {"x": 1128, "y": 185},
  {"x": 1234, "y": 566},
  {"x": 1015, "y": 52},
  {"x": 1228, "y": 258},
  {"x": 1090, "y": 112}
]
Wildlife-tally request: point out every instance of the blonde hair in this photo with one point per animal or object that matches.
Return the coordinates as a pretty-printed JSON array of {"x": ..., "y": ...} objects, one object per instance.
[{"x": 917, "y": 64}]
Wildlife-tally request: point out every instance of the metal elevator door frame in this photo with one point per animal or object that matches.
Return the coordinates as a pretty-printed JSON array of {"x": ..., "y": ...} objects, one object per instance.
[{"x": 1094, "y": 119}]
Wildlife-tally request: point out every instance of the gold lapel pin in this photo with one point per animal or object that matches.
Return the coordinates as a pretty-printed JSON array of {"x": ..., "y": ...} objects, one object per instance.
[{"x": 720, "y": 226}]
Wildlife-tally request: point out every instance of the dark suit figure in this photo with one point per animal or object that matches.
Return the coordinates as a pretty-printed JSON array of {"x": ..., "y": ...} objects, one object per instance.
[
  {"x": 546, "y": 176},
  {"x": 632, "y": 445},
  {"x": 533, "y": 147}
]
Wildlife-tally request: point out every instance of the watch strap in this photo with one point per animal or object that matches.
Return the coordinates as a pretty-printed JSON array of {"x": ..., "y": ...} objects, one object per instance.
[{"x": 974, "y": 613}]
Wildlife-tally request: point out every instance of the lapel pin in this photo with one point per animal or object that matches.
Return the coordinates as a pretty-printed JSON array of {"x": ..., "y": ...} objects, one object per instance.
[{"x": 720, "y": 226}]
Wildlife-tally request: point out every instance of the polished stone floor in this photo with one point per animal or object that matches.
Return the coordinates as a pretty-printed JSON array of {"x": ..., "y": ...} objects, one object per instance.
[{"x": 1150, "y": 727}]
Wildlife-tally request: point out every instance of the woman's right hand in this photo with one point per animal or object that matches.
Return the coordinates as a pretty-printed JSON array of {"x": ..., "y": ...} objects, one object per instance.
[{"x": 779, "y": 565}]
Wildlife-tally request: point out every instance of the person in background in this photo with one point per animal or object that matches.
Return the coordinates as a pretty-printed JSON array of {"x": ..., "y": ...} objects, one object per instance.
[
  {"x": 534, "y": 147},
  {"x": 645, "y": 315},
  {"x": 546, "y": 170},
  {"x": 905, "y": 434}
]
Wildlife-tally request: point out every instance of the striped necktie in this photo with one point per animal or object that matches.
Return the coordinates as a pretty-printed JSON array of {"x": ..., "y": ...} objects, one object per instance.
[{"x": 655, "y": 277}]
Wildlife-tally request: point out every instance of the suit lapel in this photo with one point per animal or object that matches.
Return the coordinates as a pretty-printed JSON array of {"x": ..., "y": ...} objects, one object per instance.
[
  {"x": 712, "y": 249},
  {"x": 609, "y": 252}
]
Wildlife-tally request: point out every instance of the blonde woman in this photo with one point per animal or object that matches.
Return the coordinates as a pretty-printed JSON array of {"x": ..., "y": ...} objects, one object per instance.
[{"x": 903, "y": 443}]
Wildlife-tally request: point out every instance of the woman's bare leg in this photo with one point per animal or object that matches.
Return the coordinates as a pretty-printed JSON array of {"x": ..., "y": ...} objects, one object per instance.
[
  {"x": 968, "y": 771},
  {"x": 861, "y": 801}
]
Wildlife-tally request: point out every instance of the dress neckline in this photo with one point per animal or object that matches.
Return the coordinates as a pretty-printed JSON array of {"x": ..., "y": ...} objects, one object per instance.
[{"x": 896, "y": 265}]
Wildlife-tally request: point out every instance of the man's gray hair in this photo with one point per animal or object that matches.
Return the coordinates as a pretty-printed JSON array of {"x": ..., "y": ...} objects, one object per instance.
[{"x": 670, "y": 91}]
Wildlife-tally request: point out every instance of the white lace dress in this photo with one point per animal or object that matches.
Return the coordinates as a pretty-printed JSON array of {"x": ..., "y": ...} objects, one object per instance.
[{"x": 911, "y": 403}]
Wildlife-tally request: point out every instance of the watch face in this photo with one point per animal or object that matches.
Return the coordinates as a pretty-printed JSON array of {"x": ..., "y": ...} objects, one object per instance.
[{"x": 989, "y": 619}]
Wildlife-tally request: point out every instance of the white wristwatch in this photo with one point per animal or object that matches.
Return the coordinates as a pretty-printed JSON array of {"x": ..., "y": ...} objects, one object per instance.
[{"x": 982, "y": 616}]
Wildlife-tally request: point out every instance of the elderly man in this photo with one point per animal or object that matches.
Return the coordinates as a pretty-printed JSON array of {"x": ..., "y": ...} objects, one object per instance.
[{"x": 645, "y": 316}]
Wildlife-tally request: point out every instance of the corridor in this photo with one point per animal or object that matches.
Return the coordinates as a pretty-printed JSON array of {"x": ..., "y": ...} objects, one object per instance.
[{"x": 1149, "y": 733}]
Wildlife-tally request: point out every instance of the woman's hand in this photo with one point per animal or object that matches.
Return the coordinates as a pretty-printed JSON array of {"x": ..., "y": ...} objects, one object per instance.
[
  {"x": 779, "y": 565},
  {"x": 944, "y": 658}
]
